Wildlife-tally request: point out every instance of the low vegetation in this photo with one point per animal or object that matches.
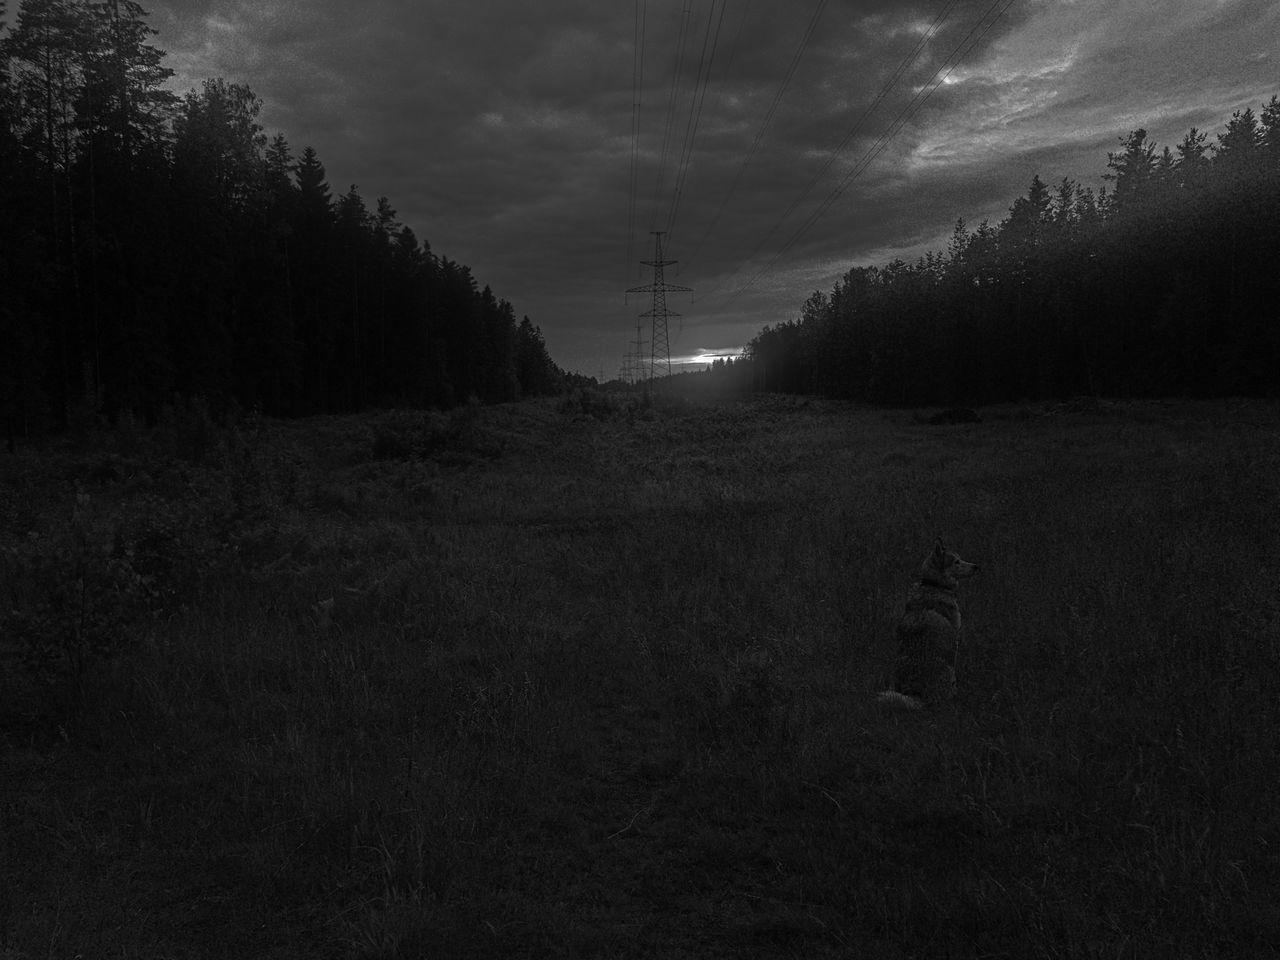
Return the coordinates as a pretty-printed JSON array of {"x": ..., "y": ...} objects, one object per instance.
[{"x": 595, "y": 677}]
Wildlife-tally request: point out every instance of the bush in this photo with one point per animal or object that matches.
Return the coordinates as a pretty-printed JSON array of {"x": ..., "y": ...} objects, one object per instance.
[{"x": 71, "y": 594}]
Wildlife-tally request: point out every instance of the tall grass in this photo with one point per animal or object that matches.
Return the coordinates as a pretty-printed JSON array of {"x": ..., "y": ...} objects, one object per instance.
[{"x": 549, "y": 681}]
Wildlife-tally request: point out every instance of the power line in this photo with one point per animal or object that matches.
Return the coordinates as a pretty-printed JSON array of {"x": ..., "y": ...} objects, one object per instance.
[
  {"x": 897, "y": 75},
  {"x": 671, "y": 113},
  {"x": 900, "y": 121},
  {"x": 637, "y": 91},
  {"x": 889, "y": 84},
  {"x": 733, "y": 48},
  {"x": 961, "y": 49},
  {"x": 796, "y": 57},
  {"x": 696, "y": 105}
]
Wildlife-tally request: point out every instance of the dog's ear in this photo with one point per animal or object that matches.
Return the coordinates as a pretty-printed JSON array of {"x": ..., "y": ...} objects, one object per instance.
[{"x": 939, "y": 551}]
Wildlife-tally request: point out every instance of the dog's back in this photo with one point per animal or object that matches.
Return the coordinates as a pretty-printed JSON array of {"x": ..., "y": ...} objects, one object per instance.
[
  {"x": 928, "y": 639},
  {"x": 928, "y": 634}
]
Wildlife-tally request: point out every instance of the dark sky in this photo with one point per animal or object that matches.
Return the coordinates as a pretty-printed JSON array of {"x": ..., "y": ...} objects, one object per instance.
[{"x": 501, "y": 130}]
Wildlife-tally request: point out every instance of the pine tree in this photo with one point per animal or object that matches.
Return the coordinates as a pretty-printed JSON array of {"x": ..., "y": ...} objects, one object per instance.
[
  {"x": 1164, "y": 175},
  {"x": 1193, "y": 161},
  {"x": 278, "y": 171},
  {"x": 124, "y": 107},
  {"x": 1133, "y": 170},
  {"x": 313, "y": 230},
  {"x": 123, "y": 115},
  {"x": 1028, "y": 216},
  {"x": 352, "y": 238},
  {"x": 46, "y": 51},
  {"x": 1239, "y": 147},
  {"x": 1271, "y": 134},
  {"x": 1062, "y": 213},
  {"x": 538, "y": 375},
  {"x": 314, "y": 206}
]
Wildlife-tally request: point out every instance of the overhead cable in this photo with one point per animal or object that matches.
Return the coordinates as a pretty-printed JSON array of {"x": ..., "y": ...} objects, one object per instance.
[{"x": 962, "y": 49}]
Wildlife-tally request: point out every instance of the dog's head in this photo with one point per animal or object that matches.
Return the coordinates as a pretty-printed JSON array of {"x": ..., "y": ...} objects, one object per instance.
[{"x": 944, "y": 568}]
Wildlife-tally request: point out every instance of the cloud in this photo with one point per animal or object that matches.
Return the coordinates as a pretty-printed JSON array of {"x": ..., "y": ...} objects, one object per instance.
[{"x": 501, "y": 131}]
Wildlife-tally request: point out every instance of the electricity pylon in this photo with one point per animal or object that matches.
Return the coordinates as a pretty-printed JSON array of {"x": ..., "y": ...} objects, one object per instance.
[
  {"x": 633, "y": 362},
  {"x": 659, "y": 345}
]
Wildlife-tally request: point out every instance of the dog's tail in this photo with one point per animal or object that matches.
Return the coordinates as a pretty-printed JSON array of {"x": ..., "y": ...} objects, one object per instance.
[{"x": 901, "y": 701}]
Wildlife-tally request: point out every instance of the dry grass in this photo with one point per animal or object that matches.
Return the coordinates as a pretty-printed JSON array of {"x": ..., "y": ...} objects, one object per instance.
[{"x": 558, "y": 681}]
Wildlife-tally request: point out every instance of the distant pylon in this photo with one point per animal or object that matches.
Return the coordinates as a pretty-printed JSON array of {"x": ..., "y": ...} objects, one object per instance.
[
  {"x": 633, "y": 361},
  {"x": 659, "y": 345}
]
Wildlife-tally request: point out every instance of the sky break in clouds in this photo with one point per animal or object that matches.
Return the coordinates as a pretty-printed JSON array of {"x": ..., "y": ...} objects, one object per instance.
[{"x": 501, "y": 131}]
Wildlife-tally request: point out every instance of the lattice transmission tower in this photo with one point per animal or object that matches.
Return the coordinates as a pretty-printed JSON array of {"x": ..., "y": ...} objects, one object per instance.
[
  {"x": 634, "y": 360},
  {"x": 659, "y": 344},
  {"x": 633, "y": 364}
]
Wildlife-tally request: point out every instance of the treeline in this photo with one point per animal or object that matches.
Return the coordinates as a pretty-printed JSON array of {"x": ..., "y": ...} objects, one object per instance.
[
  {"x": 154, "y": 246},
  {"x": 1168, "y": 283}
]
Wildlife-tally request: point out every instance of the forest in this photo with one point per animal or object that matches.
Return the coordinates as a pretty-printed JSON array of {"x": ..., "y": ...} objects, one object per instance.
[
  {"x": 155, "y": 247},
  {"x": 1165, "y": 284}
]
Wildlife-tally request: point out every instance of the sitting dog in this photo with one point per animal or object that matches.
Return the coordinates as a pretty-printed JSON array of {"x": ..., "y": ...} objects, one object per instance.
[{"x": 929, "y": 633}]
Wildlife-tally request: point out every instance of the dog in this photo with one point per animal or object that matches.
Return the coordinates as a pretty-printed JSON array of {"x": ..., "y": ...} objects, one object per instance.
[{"x": 928, "y": 634}]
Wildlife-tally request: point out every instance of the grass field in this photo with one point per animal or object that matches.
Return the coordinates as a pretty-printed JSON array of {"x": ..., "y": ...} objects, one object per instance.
[{"x": 570, "y": 680}]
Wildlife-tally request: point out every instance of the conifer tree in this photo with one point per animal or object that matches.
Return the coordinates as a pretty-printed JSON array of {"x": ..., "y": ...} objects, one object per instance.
[
  {"x": 1133, "y": 170},
  {"x": 1239, "y": 147},
  {"x": 1193, "y": 160},
  {"x": 124, "y": 107}
]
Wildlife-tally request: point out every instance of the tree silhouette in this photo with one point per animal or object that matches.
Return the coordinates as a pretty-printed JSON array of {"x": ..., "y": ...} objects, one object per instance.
[
  {"x": 1167, "y": 284},
  {"x": 154, "y": 247}
]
